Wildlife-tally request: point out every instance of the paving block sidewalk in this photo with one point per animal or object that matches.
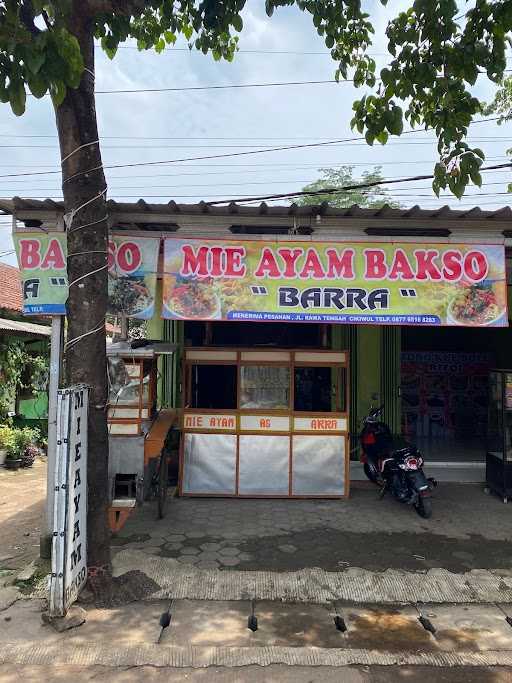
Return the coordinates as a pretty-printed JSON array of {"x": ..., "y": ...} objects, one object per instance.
[{"x": 468, "y": 530}]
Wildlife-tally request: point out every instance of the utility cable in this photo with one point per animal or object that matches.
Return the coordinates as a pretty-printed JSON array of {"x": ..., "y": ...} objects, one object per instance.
[
  {"x": 202, "y": 158},
  {"x": 335, "y": 190}
]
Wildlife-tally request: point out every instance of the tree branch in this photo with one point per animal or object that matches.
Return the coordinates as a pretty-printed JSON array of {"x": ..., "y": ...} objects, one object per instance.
[
  {"x": 124, "y": 7},
  {"x": 47, "y": 20},
  {"x": 27, "y": 17}
]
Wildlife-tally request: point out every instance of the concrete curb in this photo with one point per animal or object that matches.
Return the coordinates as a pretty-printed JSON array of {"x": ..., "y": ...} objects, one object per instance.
[
  {"x": 58, "y": 654},
  {"x": 316, "y": 585}
]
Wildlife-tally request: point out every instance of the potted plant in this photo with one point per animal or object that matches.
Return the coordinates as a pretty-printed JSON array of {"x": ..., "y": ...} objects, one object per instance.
[
  {"x": 17, "y": 445},
  {"x": 13, "y": 453}
]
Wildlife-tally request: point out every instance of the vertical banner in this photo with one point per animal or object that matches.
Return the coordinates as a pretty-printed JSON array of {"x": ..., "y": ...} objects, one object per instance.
[
  {"x": 132, "y": 273},
  {"x": 69, "y": 551}
]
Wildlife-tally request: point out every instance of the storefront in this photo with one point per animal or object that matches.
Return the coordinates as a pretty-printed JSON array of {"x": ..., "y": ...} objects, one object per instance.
[{"x": 291, "y": 322}]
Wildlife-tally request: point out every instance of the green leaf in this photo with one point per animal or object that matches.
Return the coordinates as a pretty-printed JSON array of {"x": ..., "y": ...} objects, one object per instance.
[
  {"x": 109, "y": 46},
  {"x": 238, "y": 23},
  {"x": 58, "y": 92},
  {"x": 34, "y": 61},
  {"x": 4, "y": 93},
  {"x": 17, "y": 97},
  {"x": 369, "y": 137},
  {"x": 37, "y": 85},
  {"x": 385, "y": 75},
  {"x": 476, "y": 178},
  {"x": 160, "y": 45}
]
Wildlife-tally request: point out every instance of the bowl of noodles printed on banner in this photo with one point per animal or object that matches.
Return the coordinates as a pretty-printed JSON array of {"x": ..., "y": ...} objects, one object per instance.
[
  {"x": 476, "y": 305},
  {"x": 130, "y": 296},
  {"x": 193, "y": 299}
]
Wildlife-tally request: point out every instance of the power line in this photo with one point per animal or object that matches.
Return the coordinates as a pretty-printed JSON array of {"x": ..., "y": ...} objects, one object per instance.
[
  {"x": 113, "y": 188},
  {"x": 260, "y": 168},
  {"x": 324, "y": 53},
  {"x": 230, "y": 86},
  {"x": 238, "y": 170},
  {"x": 355, "y": 143},
  {"x": 202, "y": 158},
  {"x": 316, "y": 138},
  {"x": 235, "y": 86},
  {"x": 336, "y": 190},
  {"x": 173, "y": 161}
]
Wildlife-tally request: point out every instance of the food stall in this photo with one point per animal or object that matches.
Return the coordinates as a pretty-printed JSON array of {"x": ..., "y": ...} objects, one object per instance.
[
  {"x": 138, "y": 432},
  {"x": 261, "y": 422}
]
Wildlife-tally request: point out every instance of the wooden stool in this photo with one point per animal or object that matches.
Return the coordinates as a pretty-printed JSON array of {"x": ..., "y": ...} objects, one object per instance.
[{"x": 119, "y": 512}]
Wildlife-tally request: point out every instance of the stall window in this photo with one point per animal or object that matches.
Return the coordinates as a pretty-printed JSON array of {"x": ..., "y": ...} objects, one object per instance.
[
  {"x": 264, "y": 387},
  {"x": 213, "y": 387},
  {"x": 320, "y": 389},
  {"x": 126, "y": 384}
]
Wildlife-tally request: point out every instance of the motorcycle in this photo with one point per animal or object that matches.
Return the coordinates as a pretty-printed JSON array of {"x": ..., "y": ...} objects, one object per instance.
[{"x": 399, "y": 471}]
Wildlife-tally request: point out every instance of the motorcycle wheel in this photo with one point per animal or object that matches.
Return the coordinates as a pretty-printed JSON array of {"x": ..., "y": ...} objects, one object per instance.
[
  {"x": 371, "y": 473},
  {"x": 424, "y": 507}
]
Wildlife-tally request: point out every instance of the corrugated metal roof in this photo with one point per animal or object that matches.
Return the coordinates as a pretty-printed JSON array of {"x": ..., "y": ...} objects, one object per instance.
[
  {"x": 17, "y": 205},
  {"x": 21, "y": 327}
]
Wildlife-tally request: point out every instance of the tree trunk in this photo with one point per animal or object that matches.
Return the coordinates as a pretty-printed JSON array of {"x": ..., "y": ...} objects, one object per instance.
[{"x": 83, "y": 183}]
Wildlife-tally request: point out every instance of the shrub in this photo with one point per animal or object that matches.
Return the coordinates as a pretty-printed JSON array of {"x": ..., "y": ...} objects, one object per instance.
[
  {"x": 29, "y": 455},
  {"x": 19, "y": 440},
  {"x": 6, "y": 436}
]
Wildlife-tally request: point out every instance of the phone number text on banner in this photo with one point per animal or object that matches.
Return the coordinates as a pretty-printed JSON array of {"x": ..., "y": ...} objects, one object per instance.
[{"x": 335, "y": 282}]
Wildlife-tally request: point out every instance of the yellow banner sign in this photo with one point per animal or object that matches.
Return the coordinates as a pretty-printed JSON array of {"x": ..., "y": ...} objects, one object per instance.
[{"x": 335, "y": 282}]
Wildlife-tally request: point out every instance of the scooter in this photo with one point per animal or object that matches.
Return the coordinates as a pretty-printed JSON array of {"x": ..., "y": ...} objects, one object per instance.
[{"x": 398, "y": 471}]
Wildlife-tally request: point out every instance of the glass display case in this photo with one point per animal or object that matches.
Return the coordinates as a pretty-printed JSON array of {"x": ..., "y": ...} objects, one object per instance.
[
  {"x": 499, "y": 434},
  {"x": 265, "y": 423},
  {"x": 132, "y": 395}
]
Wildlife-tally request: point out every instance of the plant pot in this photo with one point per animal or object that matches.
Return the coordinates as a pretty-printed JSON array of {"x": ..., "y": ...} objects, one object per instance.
[
  {"x": 11, "y": 464},
  {"x": 3, "y": 455}
]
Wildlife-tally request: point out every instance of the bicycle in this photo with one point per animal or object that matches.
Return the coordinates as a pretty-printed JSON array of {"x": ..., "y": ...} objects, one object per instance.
[{"x": 159, "y": 483}]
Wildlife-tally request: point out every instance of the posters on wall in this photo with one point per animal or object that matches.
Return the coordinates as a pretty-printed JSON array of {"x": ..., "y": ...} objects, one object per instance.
[
  {"x": 445, "y": 394},
  {"x": 132, "y": 274},
  {"x": 335, "y": 282}
]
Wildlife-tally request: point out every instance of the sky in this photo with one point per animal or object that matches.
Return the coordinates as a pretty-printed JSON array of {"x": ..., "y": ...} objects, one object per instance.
[{"x": 143, "y": 127}]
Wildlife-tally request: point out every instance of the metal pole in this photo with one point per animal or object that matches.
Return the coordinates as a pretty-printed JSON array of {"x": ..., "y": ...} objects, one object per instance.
[
  {"x": 124, "y": 327},
  {"x": 46, "y": 533}
]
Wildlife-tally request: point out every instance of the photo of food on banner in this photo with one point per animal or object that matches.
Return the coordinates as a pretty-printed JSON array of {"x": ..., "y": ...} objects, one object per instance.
[{"x": 132, "y": 277}]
